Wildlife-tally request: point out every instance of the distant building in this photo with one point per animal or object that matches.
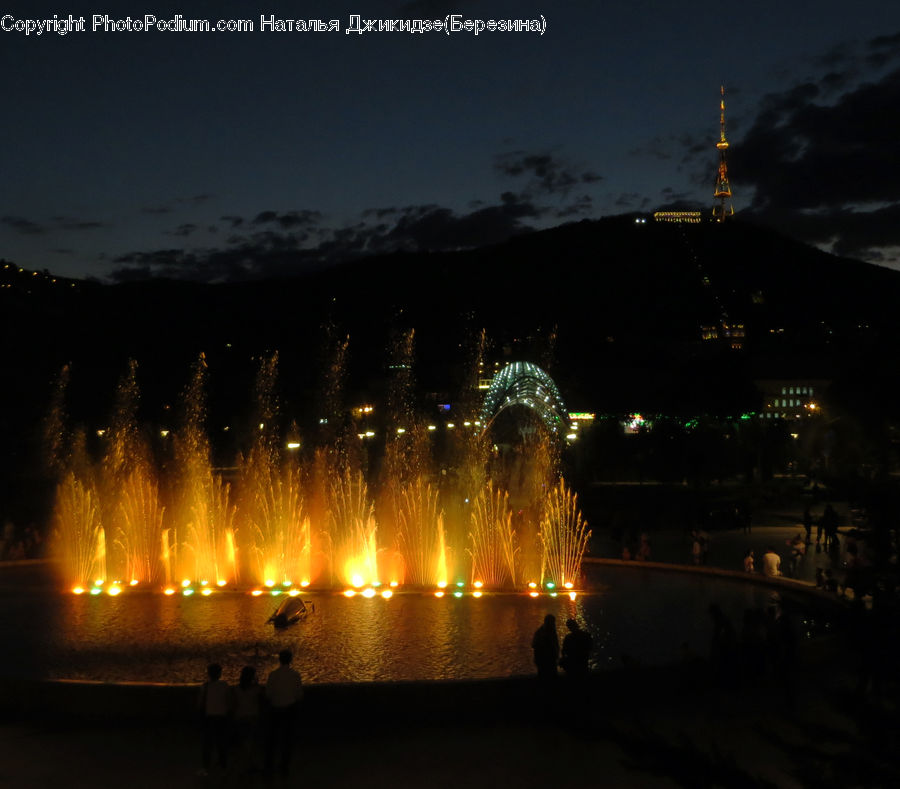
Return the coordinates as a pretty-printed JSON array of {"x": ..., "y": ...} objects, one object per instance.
[
  {"x": 791, "y": 398},
  {"x": 732, "y": 334},
  {"x": 688, "y": 217}
]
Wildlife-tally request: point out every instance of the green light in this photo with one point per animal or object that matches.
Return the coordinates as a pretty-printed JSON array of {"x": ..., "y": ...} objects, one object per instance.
[
  {"x": 460, "y": 584},
  {"x": 552, "y": 594},
  {"x": 188, "y": 592},
  {"x": 276, "y": 592},
  {"x": 457, "y": 594},
  {"x": 550, "y": 585},
  {"x": 96, "y": 590}
]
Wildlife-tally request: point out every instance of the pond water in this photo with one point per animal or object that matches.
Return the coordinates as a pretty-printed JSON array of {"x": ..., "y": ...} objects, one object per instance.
[{"x": 644, "y": 614}]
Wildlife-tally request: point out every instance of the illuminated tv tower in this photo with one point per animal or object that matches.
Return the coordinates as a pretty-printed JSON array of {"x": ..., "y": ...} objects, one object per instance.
[{"x": 722, "y": 206}]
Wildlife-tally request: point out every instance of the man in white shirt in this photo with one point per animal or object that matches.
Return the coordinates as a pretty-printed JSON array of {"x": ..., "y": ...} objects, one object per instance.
[
  {"x": 771, "y": 563},
  {"x": 284, "y": 690}
]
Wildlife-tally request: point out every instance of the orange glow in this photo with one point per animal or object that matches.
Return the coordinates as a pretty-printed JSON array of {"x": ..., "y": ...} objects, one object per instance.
[
  {"x": 293, "y": 592},
  {"x": 368, "y": 592},
  {"x": 534, "y": 594},
  {"x": 478, "y": 584},
  {"x": 221, "y": 583},
  {"x": 349, "y": 593},
  {"x": 185, "y": 583},
  {"x": 78, "y": 590},
  {"x": 169, "y": 590},
  {"x": 133, "y": 582},
  {"x": 572, "y": 595},
  {"x": 477, "y": 593},
  {"x": 438, "y": 593},
  {"x": 441, "y": 584},
  {"x": 568, "y": 584},
  {"x": 256, "y": 592},
  {"x": 304, "y": 583},
  {"x": 113, "y": 590},
  {"x": 206, "y": 592},
  {"x": 387, "y": 594}
]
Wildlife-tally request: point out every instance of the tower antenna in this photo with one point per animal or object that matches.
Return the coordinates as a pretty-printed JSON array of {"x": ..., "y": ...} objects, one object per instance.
[{"x": 722, "y": 206}]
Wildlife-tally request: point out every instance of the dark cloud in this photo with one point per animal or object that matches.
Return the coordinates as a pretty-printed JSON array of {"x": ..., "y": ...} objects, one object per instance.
[
  {"x": 159, "y": 209},
  {"x": 289, "y": 219},
  {"x": 233, "y": 221},
  {"x": 548, "y": 174},
  {"x": 67, "y": 223},
  {"x": 276, "y": 251},
  {"x": 183, "y": 230},
  {"x": 24, "y": 226},
  {"x": 822, "y": 161}
]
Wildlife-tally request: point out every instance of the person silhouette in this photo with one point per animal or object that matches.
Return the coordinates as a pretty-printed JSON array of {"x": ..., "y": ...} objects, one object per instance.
[
  {"x": 545, "y": 644},
  {"x": 284, "y": 691},
  {"x": 215, "y": 705},
  {"x": 576, "y": 651}
]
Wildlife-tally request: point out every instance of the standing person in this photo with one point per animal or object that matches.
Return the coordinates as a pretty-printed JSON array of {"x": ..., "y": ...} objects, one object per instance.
[
  {"x": 748, "y": 561},
  {"x": 215, "y": 704},
  {"x": 696, "y": 547},
  {"x": 771, "y": 563},
  {"x": 829, "y": 524},
  {"x": 807, "y": 524},
  {"x": 284, "y": 691},
  {"x": 798, "y": 550},
  {"x": 247, "y": 703},
  {"x": 576, "y": 651},
  {"x": 545, "y": 644}
]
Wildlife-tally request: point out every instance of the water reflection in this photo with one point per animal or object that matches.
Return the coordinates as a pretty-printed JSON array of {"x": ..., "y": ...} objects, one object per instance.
[{"x": 146, "y": 637}]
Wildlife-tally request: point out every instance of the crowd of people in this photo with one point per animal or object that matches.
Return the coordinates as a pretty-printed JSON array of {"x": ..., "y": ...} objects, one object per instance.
[{"x": 17, "y": 544}]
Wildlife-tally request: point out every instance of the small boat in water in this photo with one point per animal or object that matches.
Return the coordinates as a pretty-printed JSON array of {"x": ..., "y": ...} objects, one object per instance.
[{"x": 291, "y": 611}]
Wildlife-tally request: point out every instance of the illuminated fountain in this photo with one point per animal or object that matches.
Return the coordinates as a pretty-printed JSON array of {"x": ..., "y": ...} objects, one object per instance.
[{"x": 285, "y": 522}]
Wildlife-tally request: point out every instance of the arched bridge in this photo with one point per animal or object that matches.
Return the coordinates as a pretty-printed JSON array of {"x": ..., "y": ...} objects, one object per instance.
[{"x": 524, "y": 383}]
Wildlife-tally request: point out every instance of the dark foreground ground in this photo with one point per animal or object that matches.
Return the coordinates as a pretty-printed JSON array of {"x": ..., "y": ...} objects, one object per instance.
[
  {"x": 642, "y": 728},
  {"x": 687, "y": 725}
]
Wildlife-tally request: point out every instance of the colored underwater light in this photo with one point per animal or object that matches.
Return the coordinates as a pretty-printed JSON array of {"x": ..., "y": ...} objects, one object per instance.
[
  {"x": 550, "y": 585},
  {"x": 96, "y": 590},
  {"x": 387, "y": 594},
  {"x": 206, "y": 592},
  {"x": 534, "y": 594},
  {"x": 169, "y": 590},
  {"x": 256, "y": 592},
  {"x": 350, "y": 593},
  {"x": 568, "y": 584},
  {"x": 477, "y": 593},
  {"x": 78, "y": 590},
  {"x": 293, "y": 592},
  {"x": 478, "y": 584},
  {"x": 188, "y": 592},
  {"x": 133, "y": 582},
  {"x": 368, "y": 592},
  {"x": 572, "y": 595},
  {"x": 438, "y": 593},
  {"x": 457, "y": 594},
  {"x": 185, "y": 583},
  {"x": 113, "y": 590},
  {"x": 221, "y": 583},
  {"x": 532, "y": 585}
]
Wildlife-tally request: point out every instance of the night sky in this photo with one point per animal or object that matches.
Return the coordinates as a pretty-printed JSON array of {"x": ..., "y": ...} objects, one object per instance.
[{"x": 218, "y": 155}]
